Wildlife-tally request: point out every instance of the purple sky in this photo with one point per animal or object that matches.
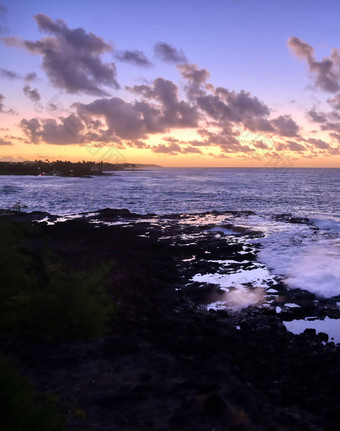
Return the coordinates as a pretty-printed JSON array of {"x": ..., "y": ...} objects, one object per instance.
[{"x": 196, "y": 83}]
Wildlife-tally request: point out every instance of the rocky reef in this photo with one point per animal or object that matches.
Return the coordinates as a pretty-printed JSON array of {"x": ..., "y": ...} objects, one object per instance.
[{"x": 182, "y": 348}]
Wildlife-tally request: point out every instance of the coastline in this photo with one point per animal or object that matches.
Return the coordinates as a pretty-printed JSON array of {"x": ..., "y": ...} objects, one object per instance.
[{"x": 166, "y": 358}]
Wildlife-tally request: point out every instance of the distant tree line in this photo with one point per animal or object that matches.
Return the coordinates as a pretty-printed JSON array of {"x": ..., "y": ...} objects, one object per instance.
[{"x": 62, "y": 168}]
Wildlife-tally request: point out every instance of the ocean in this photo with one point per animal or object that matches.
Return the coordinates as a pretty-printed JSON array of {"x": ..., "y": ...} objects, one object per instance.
[{"x": 306, "y": 255}]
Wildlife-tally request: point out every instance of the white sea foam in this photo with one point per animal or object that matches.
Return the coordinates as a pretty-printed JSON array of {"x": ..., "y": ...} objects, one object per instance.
[
  {"x": 304, "y": 258},
  {"x": 327, "y": 224},
  {"x": 256, "y": 277},
  {"x": 316, "y": 269}
]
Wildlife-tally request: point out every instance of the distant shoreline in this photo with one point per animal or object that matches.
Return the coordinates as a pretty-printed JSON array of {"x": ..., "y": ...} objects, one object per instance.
[{"x": 67, "y": 169}]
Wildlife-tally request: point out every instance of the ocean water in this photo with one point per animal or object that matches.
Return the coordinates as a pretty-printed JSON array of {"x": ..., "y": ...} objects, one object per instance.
[{"x": 306, "y": 255}]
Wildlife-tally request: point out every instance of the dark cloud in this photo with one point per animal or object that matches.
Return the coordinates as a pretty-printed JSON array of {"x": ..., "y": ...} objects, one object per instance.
[
  {"x": 334, "y": 102},
  {"x": 258, "y": 124},
  {"x": 2, "y": 106},
  {"x": 31, "y": 94},
  {"x": 318, "y": 143},
  {"x": 335, "y": 136},
  {"x": 191, "y": 150},
  {"x": 226, "y": 139},
  {"x": 5, "y": 73},
  {"x": 334, "y": 126},
  {"x": 285, "y": 126},
  {"x": 3, "y": 18},
  {"x": 160, "y": 111},
  {"x": 134, "y": 57},
  {"x": 174, "y": 145},
  {"x": 294, "y": 146},
  {"x": 219, "y": 115},
  {"x": 29, "y": 77},
  {"x": 137, "y": 144},
  {"x": 260, "y": 145},
  {"x": 71, "y": 58},
  {"x": 228, "y": 106},
  {"x": 10, "y": 74},
  {"x": 171, "y": 149},
  {"x": 31, "y": 128},
  {"x": 195, "y": 77},
  {"x": 317, "y": 117},
  {"x": 122, "y": 119},
  {"x": 197, "y": 143},
  {"x": 326, "y": 73},
  {"x": 169, "y": 54},
  {"x": 5, "y": 142},
  {"x": 68, "y": 130},
  {"x": 193, "y": 73}
]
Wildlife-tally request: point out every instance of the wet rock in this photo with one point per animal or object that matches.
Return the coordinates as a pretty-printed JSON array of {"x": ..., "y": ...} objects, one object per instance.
[
  {"x": 119, "y": 345},
  {"x": 323, "y": 336},
  {"x": 214, "y": 405},
  {"x": 108, "y": 213},
  {"x": 310, "y": 332},
  {"x": 178, "y": 420}
]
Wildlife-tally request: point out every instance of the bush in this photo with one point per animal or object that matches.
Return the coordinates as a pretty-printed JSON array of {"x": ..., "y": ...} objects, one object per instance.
[
  {"x": 20, "y": 407},
  {"x": 40, "y": 297}
]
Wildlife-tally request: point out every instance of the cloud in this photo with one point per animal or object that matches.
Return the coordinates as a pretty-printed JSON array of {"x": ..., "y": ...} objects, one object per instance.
[
  {"x": 326, "y": 73},
  {"x": 63, "y": 132},
  {"x": 228, "y": 106},
  {"x": 5, "y": 73},
  {"x": 191, "y": 150},
  {"x": 260, "y": 145},
  {"x": 195, "y": 77},
  {"x": 218, "y": 115},
  {"x": 171, "y": 149},
  {"x": 197, "y": 143},
  {"x": 31, "y": 129},
  {"x": 294, "y": 146},
  {"x": 334, "y": 126},
  {"x": 168, "y": 53},
  {"x": 134, "y": 57},
  {"x": 2, "y": 106},
  {"x": 285, "y": 126},
  {"x": 316, "y": 116},
  {"x": 5, "y": 142},
  {"x": 318, "y": 143},
  {"x": 226, "y": 139},
  {"x": 193, "y": 73},
  {"x": 334, "y": 102},
  {"x": 175, "y": 145},
  {"x": 160, "y": 111},
  {"x": 13, "y": 42},
  {"x": 31, "y": 94},
  {"x": 137, "y": 144},
  {"x": 10, "y": 74},
  {"x": 29, "y": 77},
  {"x": 3, "y": 18},
  {"x": 71, "y": 58}
]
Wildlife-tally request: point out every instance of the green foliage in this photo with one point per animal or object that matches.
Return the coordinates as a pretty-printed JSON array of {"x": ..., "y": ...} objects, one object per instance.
[
  {"x": 20, "y": 408},
  {"x": 41, "y": 298},
  {"x": 72, "y": 304},
  {"x": 79, "y": 413}
]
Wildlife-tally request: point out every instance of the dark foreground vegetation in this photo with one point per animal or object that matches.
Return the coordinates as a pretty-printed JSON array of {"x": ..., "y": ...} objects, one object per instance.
[
  {"x": 65, "y": 168},
  {"x": 95, "y": 336}
]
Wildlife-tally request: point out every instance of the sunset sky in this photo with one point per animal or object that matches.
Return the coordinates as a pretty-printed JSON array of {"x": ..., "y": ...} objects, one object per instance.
[{"x": 171, "y": 82}]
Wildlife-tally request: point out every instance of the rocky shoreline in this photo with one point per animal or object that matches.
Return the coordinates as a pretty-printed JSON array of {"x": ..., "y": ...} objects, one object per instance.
[{"x": 169, "y": 363}]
